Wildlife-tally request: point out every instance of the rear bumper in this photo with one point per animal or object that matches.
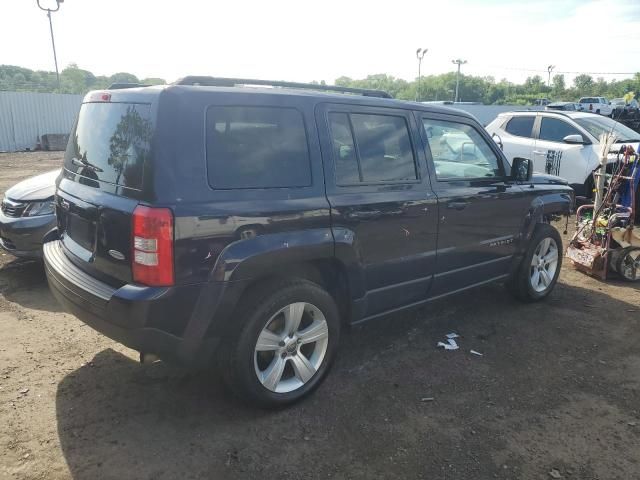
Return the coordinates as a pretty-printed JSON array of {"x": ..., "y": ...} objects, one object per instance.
[
  {"x": 176, "y": 323},
  {"x": 22, "y": 236}
]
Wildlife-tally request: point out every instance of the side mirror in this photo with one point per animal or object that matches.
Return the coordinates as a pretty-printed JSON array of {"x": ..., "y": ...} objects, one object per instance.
[
  {"x": 574, "y": 139},
  {"x": 521, "y": 170}
]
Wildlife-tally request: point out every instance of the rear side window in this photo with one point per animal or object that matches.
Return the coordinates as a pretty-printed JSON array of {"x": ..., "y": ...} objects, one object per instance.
[
  {"x": 554, "y": 130},
  {"x": 111, "y": 143},
  {"x": 521, "y": 126},
  {"x": 256, "y": 147},
  {"x": 371, "y": 148}
]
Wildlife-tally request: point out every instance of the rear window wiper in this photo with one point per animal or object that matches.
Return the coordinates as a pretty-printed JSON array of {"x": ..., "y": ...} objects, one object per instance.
[{"x": 80, "y": 162}]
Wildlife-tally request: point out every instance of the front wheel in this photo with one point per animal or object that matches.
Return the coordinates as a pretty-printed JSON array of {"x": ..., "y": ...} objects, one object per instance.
[
  {"x": 284, "y": 345},
  {"x": 537, "y": 274}
]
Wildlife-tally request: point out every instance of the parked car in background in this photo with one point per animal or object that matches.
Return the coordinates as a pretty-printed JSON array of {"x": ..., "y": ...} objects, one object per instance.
[
  {"x": 27, "y": 214},
  {"x": 622, "y": 108},
  {"x": 359, "y": 206},
  {"x": 599, "y": 105},
  {"x": 564, "y": 106},
  {"x": 560, "y": 143}
]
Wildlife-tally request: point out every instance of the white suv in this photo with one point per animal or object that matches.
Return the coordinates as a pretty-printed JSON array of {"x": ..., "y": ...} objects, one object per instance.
[
  {"x": 598, "y": 105},
  {"x": 559, "y": 143}
]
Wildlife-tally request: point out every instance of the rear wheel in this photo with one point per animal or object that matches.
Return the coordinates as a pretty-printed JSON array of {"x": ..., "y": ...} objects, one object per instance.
[
  {"x": 538, "y": 272},
  {"x": 285, "y": 345}
]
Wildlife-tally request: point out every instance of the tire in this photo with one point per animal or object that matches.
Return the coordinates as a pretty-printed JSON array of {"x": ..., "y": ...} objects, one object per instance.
[
  {"x": 291, "y": 356},
  {"x": 521, "y": 283},
  {"x": 627, "y": 263}
]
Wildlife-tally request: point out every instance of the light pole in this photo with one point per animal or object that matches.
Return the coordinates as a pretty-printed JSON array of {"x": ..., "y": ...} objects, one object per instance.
[
  {"x": 53, "y": 43},
  {"x": 420, "y": 53},
  {"x": 549, "y": 70},
  {"x": 458, "y": 62}
]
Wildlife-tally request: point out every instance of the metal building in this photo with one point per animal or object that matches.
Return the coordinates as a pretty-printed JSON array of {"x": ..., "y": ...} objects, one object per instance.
[{"x": 26, "y": 116}]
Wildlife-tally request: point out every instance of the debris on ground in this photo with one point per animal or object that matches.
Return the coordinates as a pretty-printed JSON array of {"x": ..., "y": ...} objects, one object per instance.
[
  {"x": 476, "y": 353},
  {"x": 555, "y": 473},
  {"x": 451, "y": 344}
]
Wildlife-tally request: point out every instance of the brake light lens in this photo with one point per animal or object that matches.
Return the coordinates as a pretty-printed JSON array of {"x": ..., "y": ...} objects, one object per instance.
[
  {"x": 152, "y": 259},
  {"x": 100, "y": 97}
]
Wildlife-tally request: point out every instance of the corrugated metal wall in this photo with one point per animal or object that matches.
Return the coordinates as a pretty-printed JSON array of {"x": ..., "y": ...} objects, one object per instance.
[{"x": 25, "y": 116}]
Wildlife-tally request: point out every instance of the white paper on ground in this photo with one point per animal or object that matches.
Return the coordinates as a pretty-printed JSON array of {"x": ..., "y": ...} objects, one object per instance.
[{"x": 450, "y": 345}]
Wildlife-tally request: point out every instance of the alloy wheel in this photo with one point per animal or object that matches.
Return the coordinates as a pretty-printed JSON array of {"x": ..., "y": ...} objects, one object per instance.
[
  {"x": 291, "y": 347},
  {"x": 544, "y": 264}
]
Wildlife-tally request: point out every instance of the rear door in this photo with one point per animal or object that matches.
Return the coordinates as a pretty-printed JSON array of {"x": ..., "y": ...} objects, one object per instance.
[
  {"x": 480, "y": 212},
  {"x": 553, "y": 156},
  {"x": 518, "y": 141},
  {"x": 101, "y": 183},
  {"x": 382, "y": 205}
]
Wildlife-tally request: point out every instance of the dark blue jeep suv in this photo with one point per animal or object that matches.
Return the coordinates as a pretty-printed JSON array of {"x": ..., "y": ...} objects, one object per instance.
[{"x": 245, "y": 223}]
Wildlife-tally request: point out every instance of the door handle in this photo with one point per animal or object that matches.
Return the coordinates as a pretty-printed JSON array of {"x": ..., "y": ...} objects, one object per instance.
[
  {"x": 457, "y": 205},
  {"x": 538, "y": 152}
]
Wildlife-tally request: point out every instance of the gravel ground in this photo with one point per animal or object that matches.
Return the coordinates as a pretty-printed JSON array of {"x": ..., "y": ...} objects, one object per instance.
[{"x": 556, "y": 393}]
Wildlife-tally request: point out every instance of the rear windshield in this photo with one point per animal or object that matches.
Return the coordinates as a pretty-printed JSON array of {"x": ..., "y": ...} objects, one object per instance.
[
  {"x": 110, "y": 143},
  {"x": 256, "y": 147}
]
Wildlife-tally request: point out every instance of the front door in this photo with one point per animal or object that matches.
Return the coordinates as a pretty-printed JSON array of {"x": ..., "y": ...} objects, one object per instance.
[
  {"x": 552, "y": 155},
  {"x": 382, "y": 208},
  {"x": 480, "y": 212}
]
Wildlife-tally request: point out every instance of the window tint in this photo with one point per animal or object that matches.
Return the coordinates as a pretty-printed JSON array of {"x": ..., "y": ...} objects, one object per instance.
[
  {"x": 111, "y": 143},
  {"x": 381, "y": 152},
  {"x": 256, "y": 147},
  {"x": 554, "y": 130},
  {"x": 521, "y": 126},
  {"x": 459, "y": 151}
]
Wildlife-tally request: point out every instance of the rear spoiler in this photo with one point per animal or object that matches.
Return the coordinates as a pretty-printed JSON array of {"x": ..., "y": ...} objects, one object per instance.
[{"x": 123, "y": 85}]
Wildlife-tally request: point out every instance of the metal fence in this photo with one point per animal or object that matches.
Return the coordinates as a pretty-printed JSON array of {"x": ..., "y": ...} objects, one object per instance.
[{"x": 26, "y": 116}]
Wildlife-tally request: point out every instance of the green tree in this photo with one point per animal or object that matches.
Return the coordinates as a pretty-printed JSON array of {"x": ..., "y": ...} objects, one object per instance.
[
  {"x": 153, "y": 81},
  {"x": 558, "y": 85},
  {"x": 584, "y": 84}
]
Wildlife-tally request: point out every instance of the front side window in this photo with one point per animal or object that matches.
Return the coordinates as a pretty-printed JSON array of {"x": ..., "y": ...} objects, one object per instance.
[
  {"x": 256, "y": 147},
  {"x": 459, "y": 151},
  {"x": 554, "y": 130},
  {"x": 521, "y": 126},
  {"x": 371, "y": 148}
]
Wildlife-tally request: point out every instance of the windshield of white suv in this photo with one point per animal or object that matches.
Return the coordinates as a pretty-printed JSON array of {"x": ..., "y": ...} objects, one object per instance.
[{"x": 597, "y": 125}]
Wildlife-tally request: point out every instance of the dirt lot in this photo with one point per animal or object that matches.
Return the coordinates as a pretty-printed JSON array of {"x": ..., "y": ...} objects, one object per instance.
[{"x": 556, "y": 392}]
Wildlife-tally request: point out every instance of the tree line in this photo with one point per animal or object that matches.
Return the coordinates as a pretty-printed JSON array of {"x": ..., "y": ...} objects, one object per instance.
[{"x": 440, "y": 87}]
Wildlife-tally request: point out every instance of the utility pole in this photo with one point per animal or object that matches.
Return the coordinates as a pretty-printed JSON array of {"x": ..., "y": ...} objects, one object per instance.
[
  {"x": 53, "y": 43},
  {"x": 420, "y": 53},
  {"x": 458, "y": 62},
  {"x": 549, "y": 70}
]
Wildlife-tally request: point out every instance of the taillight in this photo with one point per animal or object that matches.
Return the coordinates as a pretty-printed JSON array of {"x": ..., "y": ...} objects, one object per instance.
[{"x": 152, "y": 246}]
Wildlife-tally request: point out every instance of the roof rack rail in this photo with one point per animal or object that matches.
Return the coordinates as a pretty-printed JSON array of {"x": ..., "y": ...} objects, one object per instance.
[{"x": 233, "y": 82}]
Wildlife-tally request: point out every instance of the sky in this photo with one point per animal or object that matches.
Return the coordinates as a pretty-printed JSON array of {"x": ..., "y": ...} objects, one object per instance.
[{"x": 305, "y": 41}]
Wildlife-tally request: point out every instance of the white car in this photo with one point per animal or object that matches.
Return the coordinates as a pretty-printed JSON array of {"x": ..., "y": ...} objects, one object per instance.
[
  {"x": 565, "y": 144},
  {"x": 598, "y": 105}
]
